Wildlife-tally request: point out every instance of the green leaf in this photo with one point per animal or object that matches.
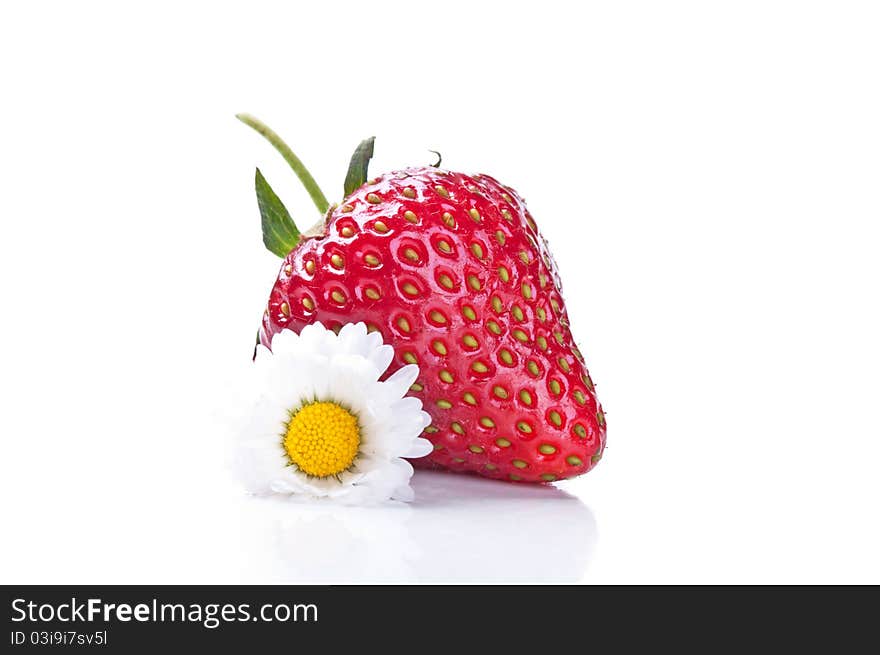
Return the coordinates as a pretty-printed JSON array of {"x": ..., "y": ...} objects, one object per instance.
[
  {"x": 360, "y": 162},
  {"x": 280, "y": 235}
]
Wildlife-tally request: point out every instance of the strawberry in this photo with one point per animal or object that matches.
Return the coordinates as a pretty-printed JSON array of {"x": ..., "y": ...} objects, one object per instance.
[{"x": 452, "y": 271}]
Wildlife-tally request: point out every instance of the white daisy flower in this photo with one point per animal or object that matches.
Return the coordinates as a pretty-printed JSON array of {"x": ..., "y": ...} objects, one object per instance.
[{"x": 324, "y": 426}]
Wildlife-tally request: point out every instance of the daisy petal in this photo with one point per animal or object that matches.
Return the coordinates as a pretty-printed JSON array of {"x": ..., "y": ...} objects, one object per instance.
[
  {"x": 419, "y": 448},
  {"x": 401, "y": 380}
]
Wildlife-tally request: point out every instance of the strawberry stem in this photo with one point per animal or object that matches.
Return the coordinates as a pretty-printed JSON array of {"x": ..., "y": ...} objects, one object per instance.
[{"x": 298, "y": 167}]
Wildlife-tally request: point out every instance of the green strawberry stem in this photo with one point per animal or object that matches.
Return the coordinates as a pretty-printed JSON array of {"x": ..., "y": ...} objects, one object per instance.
[{"x": 298, "y": 167}]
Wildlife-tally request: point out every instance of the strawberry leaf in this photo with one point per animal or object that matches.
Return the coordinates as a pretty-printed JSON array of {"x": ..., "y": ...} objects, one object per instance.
[
  {"x": 360, "y": 162},
  {"x": 280, "y": 235}
]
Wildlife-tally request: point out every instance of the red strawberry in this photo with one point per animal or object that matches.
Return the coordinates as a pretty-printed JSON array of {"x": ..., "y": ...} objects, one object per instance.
[{"x": 454, "y": 273}]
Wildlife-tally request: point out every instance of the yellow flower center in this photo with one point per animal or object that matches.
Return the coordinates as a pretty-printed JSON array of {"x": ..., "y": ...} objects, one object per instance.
[{"x": 322, "y": 439}]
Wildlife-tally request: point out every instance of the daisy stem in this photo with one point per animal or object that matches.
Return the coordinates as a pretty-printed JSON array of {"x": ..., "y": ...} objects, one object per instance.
[{"x": 298, "y": 167}]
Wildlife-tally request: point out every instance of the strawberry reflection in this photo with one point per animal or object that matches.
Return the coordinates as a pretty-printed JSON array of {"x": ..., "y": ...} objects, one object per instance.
[{"x": 459, "y": 529}]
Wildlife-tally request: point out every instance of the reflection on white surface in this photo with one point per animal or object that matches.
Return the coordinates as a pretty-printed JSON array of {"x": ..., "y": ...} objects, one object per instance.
[{"x": 459, "y": 529}]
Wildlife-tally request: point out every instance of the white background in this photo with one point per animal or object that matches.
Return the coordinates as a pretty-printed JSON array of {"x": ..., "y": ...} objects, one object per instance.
[{"x": 707, "y": 175}]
